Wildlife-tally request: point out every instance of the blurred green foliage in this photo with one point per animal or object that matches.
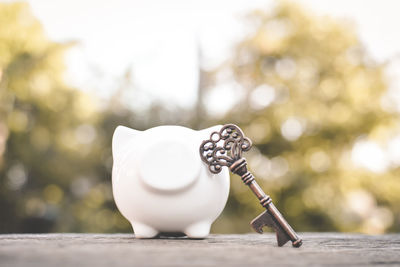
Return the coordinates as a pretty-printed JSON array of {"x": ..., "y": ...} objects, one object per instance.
[
  {"x": 54, "y": 149},
  {"x": 309, "y": 92}
]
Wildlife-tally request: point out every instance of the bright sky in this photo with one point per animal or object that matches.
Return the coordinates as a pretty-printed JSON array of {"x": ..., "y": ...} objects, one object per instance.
[{"x": 159, "y": 39}]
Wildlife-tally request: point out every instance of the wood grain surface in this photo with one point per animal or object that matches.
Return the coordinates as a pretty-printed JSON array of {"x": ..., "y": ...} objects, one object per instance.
[{"x": 319, "y": 249}]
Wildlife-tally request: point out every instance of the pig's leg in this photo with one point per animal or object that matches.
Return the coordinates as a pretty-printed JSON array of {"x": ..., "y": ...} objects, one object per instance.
[
  {"x": 198, "y": 230},
  {"x": 143, "y": 231}
]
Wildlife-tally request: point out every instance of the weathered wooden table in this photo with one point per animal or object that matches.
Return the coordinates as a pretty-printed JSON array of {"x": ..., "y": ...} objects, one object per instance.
[{"x": 319, "y": 249}]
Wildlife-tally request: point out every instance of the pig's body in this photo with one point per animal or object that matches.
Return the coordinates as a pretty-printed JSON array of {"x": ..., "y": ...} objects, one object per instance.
[{"x": 160, "y": 183}]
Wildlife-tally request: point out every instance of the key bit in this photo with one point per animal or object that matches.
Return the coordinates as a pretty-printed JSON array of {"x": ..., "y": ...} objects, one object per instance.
[
  {"x": 224, "y": 148},
  {"x": 264, "y": 219},
  {"x": 282, "y": 236}
]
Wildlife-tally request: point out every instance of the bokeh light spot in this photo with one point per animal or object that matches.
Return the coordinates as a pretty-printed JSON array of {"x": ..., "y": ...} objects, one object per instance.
[
  {"x": 16, "y": 176},
  {"x": 262, "y": 97},
  {"x": 319, "y": 161},
  {"x": 53, "y": 194},
  {"x": 369, "y": 155},
  {"x": 292, "y": 129},
  {"x": 85, "y": 134}
]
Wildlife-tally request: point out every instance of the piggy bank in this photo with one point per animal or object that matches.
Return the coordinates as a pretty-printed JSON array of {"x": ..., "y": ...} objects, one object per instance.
[{"x": 160, "y": 183}]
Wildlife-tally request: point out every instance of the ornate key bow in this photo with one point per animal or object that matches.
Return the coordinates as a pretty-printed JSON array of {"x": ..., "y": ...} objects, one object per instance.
[{"x": 224, "y": 148}]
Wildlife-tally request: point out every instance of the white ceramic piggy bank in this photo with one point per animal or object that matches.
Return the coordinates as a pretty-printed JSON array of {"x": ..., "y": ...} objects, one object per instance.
[{"x": 160, "y": 183}]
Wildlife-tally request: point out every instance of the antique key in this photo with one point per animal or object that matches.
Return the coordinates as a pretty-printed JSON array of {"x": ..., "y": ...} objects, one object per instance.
[{"x": 224, "y": 148}]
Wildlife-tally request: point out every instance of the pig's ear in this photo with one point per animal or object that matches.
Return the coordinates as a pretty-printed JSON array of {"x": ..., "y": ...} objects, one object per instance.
[
  {"x": 205, "y": 133},
  {"x": 122, "y": 136}
]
